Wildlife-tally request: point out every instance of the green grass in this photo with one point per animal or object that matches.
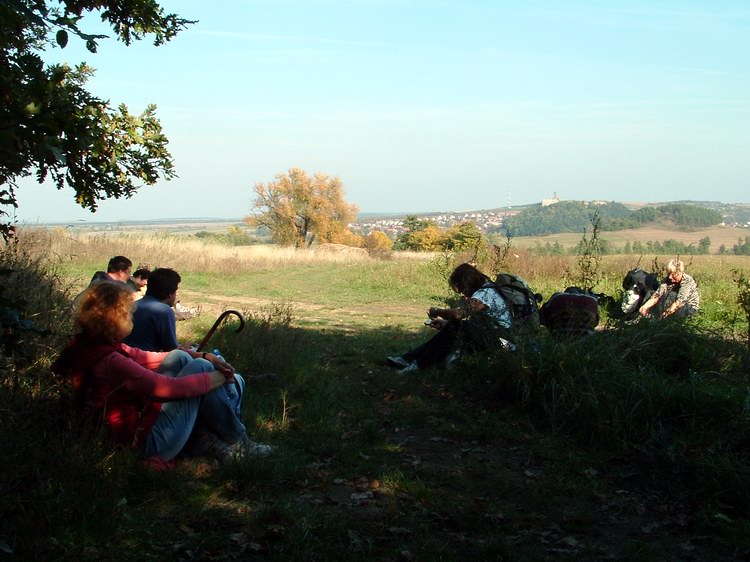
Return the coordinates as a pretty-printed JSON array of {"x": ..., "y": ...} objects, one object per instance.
[{"x": 561, "y": 451}]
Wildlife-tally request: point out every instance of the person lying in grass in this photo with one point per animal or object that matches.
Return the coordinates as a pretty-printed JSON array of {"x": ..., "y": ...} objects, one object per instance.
[
  {"x": 156, "y": 402},
  {"x": 476, "y": 325}
]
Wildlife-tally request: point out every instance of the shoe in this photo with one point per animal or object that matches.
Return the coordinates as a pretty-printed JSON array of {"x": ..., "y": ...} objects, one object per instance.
[
  {"x": 207, "y": 444},
  {"x": 247, "y": 448},
  {"x": 452, "y": 360},
  {"x": 410, "y": 368},
  {"x": 397, "y": 361}
]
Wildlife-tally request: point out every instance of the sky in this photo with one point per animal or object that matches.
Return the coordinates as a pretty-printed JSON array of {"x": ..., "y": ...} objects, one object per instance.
[{"x": 432, "y": 105}]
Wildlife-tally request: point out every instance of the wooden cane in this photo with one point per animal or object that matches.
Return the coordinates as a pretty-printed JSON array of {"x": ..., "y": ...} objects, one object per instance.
[{"x": 218, "y": 322}]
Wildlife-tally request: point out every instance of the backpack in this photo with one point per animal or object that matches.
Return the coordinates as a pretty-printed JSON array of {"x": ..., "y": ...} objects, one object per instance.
[
  {"x": 572, "y": 313},
  {"x": 638, "y": 285},
  {"x": 521, "y": 300}
]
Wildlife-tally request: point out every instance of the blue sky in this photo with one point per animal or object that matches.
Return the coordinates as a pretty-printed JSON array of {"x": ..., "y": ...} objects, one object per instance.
[{"x": 429, "y": 105}]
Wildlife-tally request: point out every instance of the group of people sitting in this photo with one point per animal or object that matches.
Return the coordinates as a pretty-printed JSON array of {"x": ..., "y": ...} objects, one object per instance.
[
  {"x": 152, "y": 393},
  {"x": 483, "y": 320},
  {"x": 167, "y": 399}
]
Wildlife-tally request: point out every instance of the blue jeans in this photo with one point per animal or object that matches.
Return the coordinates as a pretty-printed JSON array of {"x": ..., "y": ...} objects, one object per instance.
[{"x": 218, "y": 411}]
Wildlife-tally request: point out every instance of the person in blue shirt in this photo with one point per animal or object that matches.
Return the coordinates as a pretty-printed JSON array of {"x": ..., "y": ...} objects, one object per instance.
[{"x": 154, "y": 323}]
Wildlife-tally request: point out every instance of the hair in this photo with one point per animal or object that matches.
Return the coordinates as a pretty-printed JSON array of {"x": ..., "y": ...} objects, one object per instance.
[
  {"x": 675, "y": 266},
  {"x": 467, "y": 279},
  {"x": 162, "y": 282},
  {"x": 142, "y": 273},
  {"x": 105, "y": 312},
  {"x": 119, "y": 263}
]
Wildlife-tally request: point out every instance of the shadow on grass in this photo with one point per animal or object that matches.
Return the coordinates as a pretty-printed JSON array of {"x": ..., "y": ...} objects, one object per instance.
[{"x": 492, "y": 460}]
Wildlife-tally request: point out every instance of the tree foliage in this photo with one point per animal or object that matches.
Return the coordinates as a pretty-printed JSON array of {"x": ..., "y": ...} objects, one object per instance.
[
  {"x": 566, "y": 216},
  {"x": 574, "y": 216},
  {"x": 51, "y": 126},
  {"x": 377, "y": 243},
  {"x": 299, "y": 210}
]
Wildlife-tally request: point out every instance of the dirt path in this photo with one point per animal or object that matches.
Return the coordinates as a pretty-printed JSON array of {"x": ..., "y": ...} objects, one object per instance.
[{"x": 341, "y": 317}]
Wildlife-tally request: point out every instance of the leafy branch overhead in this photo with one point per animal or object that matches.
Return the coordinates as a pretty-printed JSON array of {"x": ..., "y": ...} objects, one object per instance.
[{"x": 52, "y": 127}]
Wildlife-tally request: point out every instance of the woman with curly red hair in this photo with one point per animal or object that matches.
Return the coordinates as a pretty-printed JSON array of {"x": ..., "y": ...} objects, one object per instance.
[{"x": 154, "y": 401}]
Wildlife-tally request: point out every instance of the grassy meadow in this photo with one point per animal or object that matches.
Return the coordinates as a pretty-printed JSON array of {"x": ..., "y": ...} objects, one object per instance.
[{"x": 630, "y": 445}]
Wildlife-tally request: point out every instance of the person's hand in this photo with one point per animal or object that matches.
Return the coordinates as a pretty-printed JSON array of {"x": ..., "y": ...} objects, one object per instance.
[
  {"x": 186, "y": 346},
  {"x": 433, "y": 312},
  {"x": 438, "y": 323},
  {"x": 222, "y": 366}
]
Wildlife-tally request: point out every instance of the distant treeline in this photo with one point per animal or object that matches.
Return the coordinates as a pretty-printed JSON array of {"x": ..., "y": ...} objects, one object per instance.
[
  {"x": 666, "y": 247},
  {"x": 575, "y": 216},
  {"x": 670, "y": 247}
]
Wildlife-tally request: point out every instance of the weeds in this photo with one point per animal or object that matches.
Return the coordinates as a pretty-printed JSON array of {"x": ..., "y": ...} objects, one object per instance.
[
  {"x": 743, "y": 297},
  {"x": 504, "y": 457},
  {"x": 589, "y": 259}
]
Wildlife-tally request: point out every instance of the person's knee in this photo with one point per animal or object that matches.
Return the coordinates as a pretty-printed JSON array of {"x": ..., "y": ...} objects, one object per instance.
[{"x": 178, "y": 356}]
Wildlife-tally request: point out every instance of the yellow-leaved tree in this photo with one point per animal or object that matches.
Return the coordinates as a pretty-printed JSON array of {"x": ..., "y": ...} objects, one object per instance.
[{"x": 301, "y": 210}]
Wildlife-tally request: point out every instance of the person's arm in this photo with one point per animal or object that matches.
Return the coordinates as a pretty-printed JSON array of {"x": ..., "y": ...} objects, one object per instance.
[
  {"x": 653, "y": 299},
  {"x": 144, "y": 382},
  {"x": 218, "y": 363},
  {"x": 449, "y": 314},
  {"x": 674, "y": 307},
  {"x": 646, "y": 306}
]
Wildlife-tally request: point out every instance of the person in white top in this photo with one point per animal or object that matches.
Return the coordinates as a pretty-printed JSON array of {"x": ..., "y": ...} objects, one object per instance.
[{"x": 476, "y": 322}]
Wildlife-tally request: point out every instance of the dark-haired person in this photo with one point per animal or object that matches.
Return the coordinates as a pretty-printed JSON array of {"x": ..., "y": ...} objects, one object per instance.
[
  {"x": 476, "y": 323},
  {"x": 154, "y": 324},
  {"x": 139, "y": 281},
  {"x": 677, "y": 295},
  {"x": 153, "y": 401},
  {"x": 118, "y": 271}
]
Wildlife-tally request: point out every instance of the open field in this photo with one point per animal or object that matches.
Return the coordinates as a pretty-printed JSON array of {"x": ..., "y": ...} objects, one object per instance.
[
  {"x": 630, "y": 446},
  {"x": 727, "y": 236}
]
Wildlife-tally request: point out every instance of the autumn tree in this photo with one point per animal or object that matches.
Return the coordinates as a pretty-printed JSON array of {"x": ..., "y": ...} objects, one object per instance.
[
  {"x": 51, "y": 126},
  {"x": 301, "y": 210},
  {"x": 377, "y": 243}
]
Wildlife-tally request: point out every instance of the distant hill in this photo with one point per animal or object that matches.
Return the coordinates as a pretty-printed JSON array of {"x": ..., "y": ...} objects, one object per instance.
[{"x": 732, "y": 214}]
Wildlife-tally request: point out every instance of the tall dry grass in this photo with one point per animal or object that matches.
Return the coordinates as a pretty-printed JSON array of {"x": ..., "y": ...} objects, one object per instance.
[{"x": 183, "y": 253}]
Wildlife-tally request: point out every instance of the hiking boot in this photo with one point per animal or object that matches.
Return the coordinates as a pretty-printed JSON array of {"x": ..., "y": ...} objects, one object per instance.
[
  {"x": 410, "y": 368},
  {"x": 247, "y": 448},
  {"x": 397, "y": 362}
]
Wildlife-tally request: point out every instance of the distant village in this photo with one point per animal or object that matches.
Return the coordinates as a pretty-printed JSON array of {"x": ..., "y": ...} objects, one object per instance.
[{"x": 487, "y": 221}]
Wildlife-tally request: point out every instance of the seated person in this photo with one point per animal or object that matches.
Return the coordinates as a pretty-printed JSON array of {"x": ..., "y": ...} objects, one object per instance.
[
  {"x": 476, "y": 325},
  {"x": 118, "y": 271},
  {"x": 677, "y": 295},
  {"x": 139, "y": 281},
  {"x": 573, "y": 313},
  {"x": 155, "y": 402},
  {"x": 154, "y": 325}
]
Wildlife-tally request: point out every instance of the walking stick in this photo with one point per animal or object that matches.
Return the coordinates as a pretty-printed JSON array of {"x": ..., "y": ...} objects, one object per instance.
[{"x": 218, "y": 322}]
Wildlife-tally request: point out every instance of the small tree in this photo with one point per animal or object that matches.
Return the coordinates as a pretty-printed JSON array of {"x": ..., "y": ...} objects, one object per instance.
[
  {"x": 377, "y": 243},
  {"x": 51, "y": 126},
  {"x": 299, "y": 210}
]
